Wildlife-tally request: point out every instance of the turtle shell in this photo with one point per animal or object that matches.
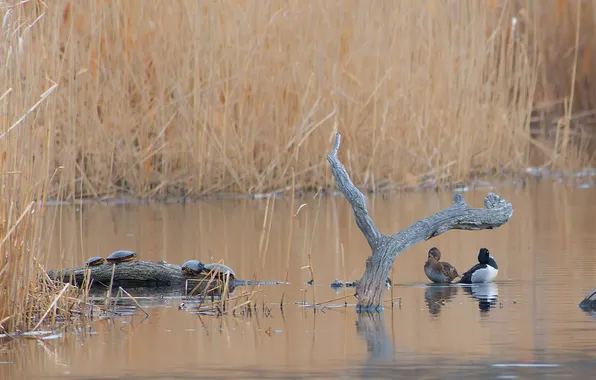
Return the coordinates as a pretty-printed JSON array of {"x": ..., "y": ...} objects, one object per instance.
[
  {"x": 193, "y": 267},
  {"x": 219, "y": 270},
  {"x": 121, "y": 256},
  {"x": 95, "y": 261}
]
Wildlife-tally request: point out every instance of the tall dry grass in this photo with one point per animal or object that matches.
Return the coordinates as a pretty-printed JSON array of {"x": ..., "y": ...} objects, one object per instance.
[
  {"x": 27, "y": 299},
  {"x": 565, "y": 101},
  {"x": 161, "y": 98}
]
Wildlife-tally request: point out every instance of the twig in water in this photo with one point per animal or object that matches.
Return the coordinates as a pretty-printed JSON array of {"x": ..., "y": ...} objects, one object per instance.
[
  {"x": 312, "y": 277},
  {"x": 233, "y": 310},
  {"x": 134, "y": 300},
  {"x": 51, "y": 306},
  {"x": 335, "y": 299},
  {"x": 226, "y": 290},
  {"x": 343, "y": 264},
  {"x": 111, "y": 284},
  {"x": 264, "y": 244},
  {"x": 289, "y": 248},
  {"x": 398, "y": 299},
  {"x": 300, "y": 208},
  {"x": 312, "y": 239}
]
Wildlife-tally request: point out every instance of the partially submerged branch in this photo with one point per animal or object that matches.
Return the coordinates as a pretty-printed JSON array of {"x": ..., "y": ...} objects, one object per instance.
[{"x": 385, "y": 248}]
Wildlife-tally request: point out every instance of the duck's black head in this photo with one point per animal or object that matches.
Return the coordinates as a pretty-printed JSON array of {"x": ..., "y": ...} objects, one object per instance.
[
  {"x": 434, "y": 253},
  {"x": 483, "y": 256}
]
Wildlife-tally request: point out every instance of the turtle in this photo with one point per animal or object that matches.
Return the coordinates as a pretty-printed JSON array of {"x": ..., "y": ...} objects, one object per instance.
[
  {"x": 95, "y": 261},
  {"x": 193, "y": 267},
  {"x": 121, "y": 256},
  {"x": 219, "y": 270}
]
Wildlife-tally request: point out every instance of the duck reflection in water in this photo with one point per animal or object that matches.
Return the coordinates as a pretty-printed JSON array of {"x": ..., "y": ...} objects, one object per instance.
[
  {"x": 436, "y": 296},
  {"x": 486, "y": 294}
]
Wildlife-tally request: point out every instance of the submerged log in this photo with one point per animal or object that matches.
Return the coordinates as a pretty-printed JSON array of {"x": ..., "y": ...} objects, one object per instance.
[{"x": 385, "y": 248}]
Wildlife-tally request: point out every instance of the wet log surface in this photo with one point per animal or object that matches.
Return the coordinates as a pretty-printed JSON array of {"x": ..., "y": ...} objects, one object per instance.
[
  {"x": 126, "y": 274},
  {"x": 145, "y": 278}
]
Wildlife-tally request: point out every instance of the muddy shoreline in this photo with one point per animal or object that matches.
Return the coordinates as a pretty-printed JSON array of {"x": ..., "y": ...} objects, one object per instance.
[{"x": 584, "y": 178}]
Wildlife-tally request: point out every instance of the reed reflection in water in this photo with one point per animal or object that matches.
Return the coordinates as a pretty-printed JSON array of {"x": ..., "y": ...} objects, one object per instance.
[{"x": 547, "y": 264}]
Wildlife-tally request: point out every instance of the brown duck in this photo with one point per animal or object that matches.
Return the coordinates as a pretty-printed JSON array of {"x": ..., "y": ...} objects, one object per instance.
[{"x": 437, "y": 271}]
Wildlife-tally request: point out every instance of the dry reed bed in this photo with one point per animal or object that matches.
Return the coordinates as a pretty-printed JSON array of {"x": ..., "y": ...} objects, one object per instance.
[
  {"x": 27, "y": 298},
  {"x": 160, "y": 98},
  {"x": 165, "y": 98}
]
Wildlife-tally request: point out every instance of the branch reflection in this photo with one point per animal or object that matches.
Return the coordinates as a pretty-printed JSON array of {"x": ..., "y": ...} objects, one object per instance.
[{"x": 371, "y": 326}]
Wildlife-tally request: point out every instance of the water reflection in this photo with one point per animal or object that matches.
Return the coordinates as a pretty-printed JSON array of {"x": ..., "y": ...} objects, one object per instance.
[
  {"x": 487, "y": 295},
  {"x": 437, "y": 295},
  {"x": 371, "y": 327},
  {"x": 543, "y": 265}
]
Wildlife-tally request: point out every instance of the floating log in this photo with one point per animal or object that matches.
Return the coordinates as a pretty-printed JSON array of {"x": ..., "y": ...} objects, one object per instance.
[
  {"x": 146, "y": 278},
  {"x": 143, "y": 278},
  {"x": 126, "y": 274}
]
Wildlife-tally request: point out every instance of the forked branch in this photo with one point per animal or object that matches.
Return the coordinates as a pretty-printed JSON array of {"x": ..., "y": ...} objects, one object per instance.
[
  {"x": 459, "y": 216},
  {"x": 354, "y": 196}
]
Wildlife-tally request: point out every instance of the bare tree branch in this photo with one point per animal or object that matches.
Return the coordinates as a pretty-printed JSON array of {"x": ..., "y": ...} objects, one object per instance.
[
  {"x": 354, "y": 196},
  {"x": 459, "y": 216}
]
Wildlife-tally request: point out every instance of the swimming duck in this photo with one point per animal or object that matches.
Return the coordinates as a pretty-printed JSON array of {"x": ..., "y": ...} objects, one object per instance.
[
  {"x": 485, "y": 271},
  {"x": 439, "y": 271}
]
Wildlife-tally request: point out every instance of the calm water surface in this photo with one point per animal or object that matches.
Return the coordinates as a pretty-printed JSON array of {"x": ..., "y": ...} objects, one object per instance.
[{"x": 526, "y": 325}]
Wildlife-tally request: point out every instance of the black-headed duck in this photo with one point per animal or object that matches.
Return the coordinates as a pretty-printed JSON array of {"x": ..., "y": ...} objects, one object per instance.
[{"x": 485, "y": 271}]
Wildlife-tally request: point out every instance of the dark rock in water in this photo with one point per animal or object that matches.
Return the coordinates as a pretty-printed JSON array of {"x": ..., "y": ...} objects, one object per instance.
[{"x": 589, "y": 303}]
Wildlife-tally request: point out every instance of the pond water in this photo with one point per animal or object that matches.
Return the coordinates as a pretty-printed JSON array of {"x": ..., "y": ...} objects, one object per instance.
[{"x": 525, "y": 325}]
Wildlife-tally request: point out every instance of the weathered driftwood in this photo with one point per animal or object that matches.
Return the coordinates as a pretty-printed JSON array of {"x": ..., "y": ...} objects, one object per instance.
[
  {"x": 145, "y": 278},
  {"x": 126, "y": 274},
  {"x": 385, "y": 248}
]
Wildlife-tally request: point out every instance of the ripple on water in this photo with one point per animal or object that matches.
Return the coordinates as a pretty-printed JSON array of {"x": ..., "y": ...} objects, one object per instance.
[{"x": 526, "y": 325}]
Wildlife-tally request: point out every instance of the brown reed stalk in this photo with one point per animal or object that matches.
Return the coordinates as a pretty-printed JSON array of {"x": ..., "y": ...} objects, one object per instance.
[
  {"x": 424, "y": 97},
  {"x": 343, "y": 265}
]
